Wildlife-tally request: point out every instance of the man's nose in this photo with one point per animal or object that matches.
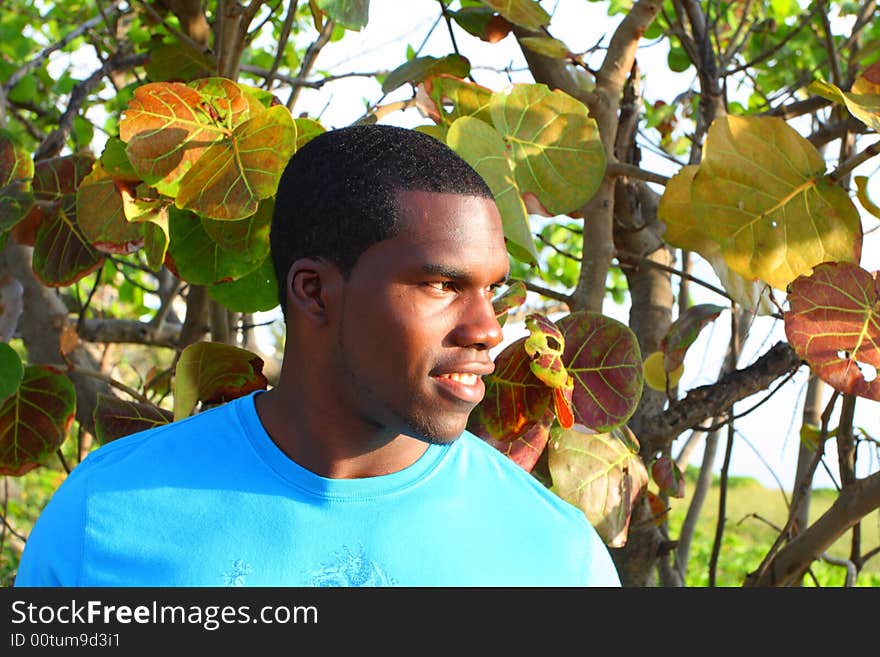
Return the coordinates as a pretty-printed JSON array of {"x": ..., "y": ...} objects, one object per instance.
[{"x": 478, "y": 326}]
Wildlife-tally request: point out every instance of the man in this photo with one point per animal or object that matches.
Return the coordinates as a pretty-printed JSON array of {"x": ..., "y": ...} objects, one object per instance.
[{"x": 356, "y": 469}]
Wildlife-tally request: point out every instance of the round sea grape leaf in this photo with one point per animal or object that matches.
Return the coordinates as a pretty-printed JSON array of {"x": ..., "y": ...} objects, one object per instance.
[
  {"x": 177, "y": 61},
  {"x": 483, "y": 148},
  {"x": 11, "y": 370},
  {"x": 761, "y": 193},
  {"x": 555, "y": 147},
  {"x": 351, "y": 14},
  {"x": 249, "y": 235},
  {"x": 306, "y": 130},
  {"x": 214, "y": 373},
  {"x": 11, "y": 306},
  {"x": 229, "y": 104},
  {"x": 515, "y": 398},
  {"x": 603, "y": 356},
  {"x": 547, "y": 46},
  {"x": 600, "y": 474},
  {"x": 444, "y": 98},
  {"x": 115, "y": 418},
  {"x": 862, "y": 194},
  {"x": 656, "y": 376},
  {"x": 16, "y": 171},
  {"x": 34, "y": 420},
  {"x": 526, "y": 448},
  {"x": 833, "y": 323},
  {"x": 233, "y": 175},
  {"x": 166, "y": 130},
  {"x": 676, "y": 211},
  {"x": 864, "y": 106},
  {"x": 482, "y": 22},
  {"x": 200, "y": 260},
  {"x": 420, "y": 68},
  {"x": 684, "y": 331},
  {"x": 525, "y": 13},
  {"x": 253, "y": 292},
  {"x": 99, "y": 208}
]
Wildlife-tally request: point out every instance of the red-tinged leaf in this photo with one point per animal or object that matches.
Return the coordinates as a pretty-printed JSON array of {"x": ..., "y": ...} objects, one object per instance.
[
  {"x": 229, "y": 104},
  {"x": 515, "y": 398},
  {"x": 603, "y": 356},
  {"x": 11, "y": 306},
  {"x": 35, "y": 419},
  {"x": 668, "y": 477},
  {"x": 562, "y": 404},
  {"x": 99, "y": 209},
  {"x": 25, "y": 231},
  {"x": 513, "y": 297},
  {"x": 16, "y": 171},
  {"x": 115, "y": 418},
  {"x": 215, "y": 373},
  {"x": 236, "y": 173},
  {"x": 601, "y": 475},
  {"x": 544, "y": 346},
  {"x": 526, "y": 449},
  {"x": 684, "y": 332},
  {"x": 11, "y": 370},
  {"x": 167, "y": 127},
  {"x": 658, "y": 508},
  {"x": 833, "y": 323},
  {"x": 68, "y": 340},
  {"x": 62, "y": 254}
]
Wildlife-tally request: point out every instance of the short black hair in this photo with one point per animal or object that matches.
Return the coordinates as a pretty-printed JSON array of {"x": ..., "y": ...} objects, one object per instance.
[{"x": 338, "y": 193}]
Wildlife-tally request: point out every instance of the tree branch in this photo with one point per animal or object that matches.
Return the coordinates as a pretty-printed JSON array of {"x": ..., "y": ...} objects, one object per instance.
[{"x": 714, "y": 399}]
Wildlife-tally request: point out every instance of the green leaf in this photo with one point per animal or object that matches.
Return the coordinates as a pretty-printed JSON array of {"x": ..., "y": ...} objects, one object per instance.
[
  {"x": 865, "y": 107},
  {"x": 234, "y": 175},
  {"x": 554, "y": 145},
  {"x": 600, "y": 474},
  {"x": 862, "y": 194},
  {"x": 352, "y": 14},
  {"x": 483, "y": 148},
  {"x": 246, "y": 236},
  {"x": 525, "y": 13},
  {"x": 177, "y": 61},
  {"x": 115, "y": 418},
  {"x": 465, "y": 98},
  {"x": 34, "y": 420},
  {"x": 547, "y": 46},
  {"x": 11, "y": 370},
  {"x": 684, "y": 331},
  {"x": 253, "y": 292},
  {"x": 420, "y": 68},
  {"x": 761, "y": 193},
  {"x": 214, "y": 373},
  {"x": 677, "y": 59},
  {"x": 200, "y": 260}
]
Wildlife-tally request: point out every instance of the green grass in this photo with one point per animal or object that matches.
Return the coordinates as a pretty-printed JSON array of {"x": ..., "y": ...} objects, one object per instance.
[{"x": 751, "y": 513}]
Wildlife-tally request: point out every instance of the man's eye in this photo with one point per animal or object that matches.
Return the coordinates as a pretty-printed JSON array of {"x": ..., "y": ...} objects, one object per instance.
[{"x": 442, "y": 286}]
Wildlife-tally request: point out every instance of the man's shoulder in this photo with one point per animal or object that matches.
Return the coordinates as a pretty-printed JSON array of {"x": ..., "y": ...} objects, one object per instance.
[
  {"x": 158, "y": 446},
  {"x": 512, "y": 477}
]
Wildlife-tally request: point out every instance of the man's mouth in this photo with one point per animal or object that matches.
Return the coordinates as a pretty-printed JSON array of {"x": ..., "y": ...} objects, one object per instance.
[
  {"x": 461, "y": 377},
  {"x": 463, "y": 386}
]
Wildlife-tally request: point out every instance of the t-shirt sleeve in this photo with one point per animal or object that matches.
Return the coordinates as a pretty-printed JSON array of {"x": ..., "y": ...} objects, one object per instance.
[
  {"x": 54, "y": 550},
  {"x": 601, "y": 569}
]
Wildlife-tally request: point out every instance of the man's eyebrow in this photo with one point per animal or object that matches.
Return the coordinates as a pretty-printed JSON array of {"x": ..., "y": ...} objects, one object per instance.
[{"x": 435, "y": 269}]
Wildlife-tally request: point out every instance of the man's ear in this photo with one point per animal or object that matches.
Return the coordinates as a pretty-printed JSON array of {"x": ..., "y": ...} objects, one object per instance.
[{"x": 311, "y": 286}]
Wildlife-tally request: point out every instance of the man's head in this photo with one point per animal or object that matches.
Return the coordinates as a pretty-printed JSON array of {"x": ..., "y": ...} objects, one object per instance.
[
  {"x": 338, "y": 194},
  {"x": 389, "y": 248}
]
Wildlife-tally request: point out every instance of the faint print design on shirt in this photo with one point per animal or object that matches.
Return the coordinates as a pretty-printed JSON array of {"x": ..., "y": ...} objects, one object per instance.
[
  {"x": 351, "y": 568},
  {"x": 240, "y": 570}
]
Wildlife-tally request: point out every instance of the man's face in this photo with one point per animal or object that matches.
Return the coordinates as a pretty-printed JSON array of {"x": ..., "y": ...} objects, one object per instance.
[{"x": 417, "y": 322}]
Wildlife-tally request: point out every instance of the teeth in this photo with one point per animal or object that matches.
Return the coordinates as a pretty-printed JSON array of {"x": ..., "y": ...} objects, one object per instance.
[{"x": 466, "y": 379}]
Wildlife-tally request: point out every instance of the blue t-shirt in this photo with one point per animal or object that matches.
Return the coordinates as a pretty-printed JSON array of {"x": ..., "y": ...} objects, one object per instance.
[{"x": 212, "y": 501}]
